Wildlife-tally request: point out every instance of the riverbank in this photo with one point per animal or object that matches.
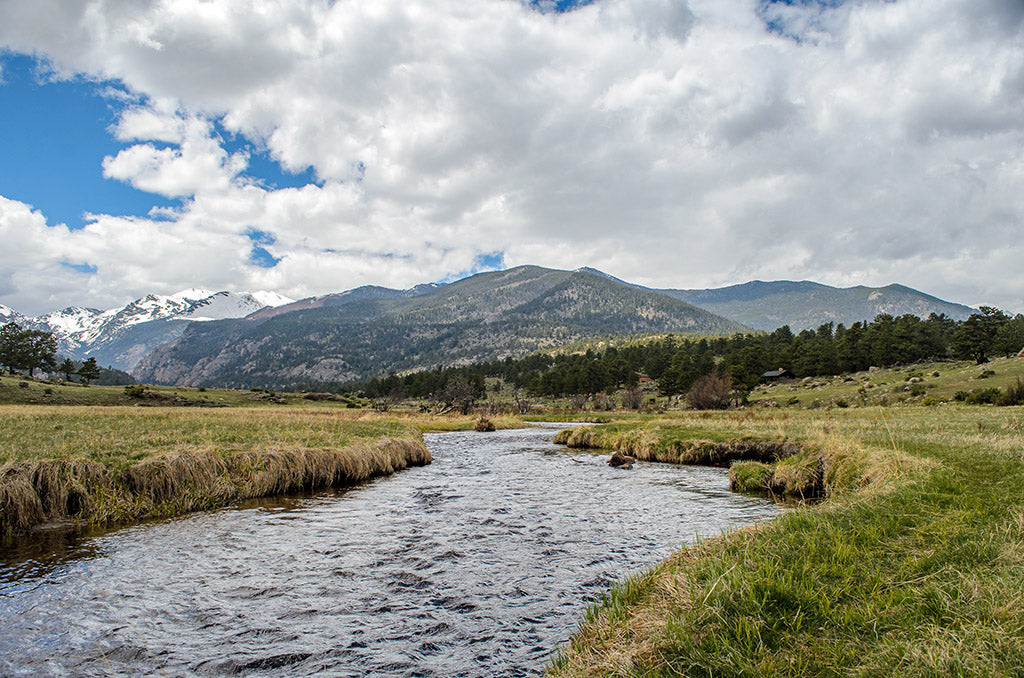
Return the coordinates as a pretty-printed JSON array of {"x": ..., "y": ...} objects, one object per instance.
[
  {"x": 913, "y": 565},
  {"x": 108, "y": 465},
  {"x": 802, "y": 464}
]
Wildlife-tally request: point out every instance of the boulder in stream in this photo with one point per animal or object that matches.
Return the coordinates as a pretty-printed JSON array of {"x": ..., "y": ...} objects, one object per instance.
[{"x": 620, "y": 460}]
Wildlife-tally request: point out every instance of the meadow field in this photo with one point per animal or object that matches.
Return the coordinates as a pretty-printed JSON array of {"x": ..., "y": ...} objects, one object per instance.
[{"x": 919, "y": 384}]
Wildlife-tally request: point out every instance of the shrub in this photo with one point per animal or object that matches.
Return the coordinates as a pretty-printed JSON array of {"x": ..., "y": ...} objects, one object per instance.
[
  {"x": 632, "y": 398},
  {"x": 930, "y": 401},
  {"x": 710, "y": 392},
  {"x": 135, "y": 391},
  {"x": 917, "y": 390},
  {"x": 842, "y": 403},
  {"x": 578, "y": 401},
  {"x": 1014, "y": 394},
  {"x": 986, "y": 374},
  {"x": 988, "y": 396},
  {"x": 985, "y": 396}
]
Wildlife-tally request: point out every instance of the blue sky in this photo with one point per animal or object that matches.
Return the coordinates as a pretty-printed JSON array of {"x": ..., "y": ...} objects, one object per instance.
[
  {"x": 315, "y": 147},
  {"x": 54, "y": 136},
  {"x": 56, "y": 132}
]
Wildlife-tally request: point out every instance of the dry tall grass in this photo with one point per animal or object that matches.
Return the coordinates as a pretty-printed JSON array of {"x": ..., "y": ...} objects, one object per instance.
[
  {"x": 47, "y": 491},
  {"x": 123, "y": 464}
]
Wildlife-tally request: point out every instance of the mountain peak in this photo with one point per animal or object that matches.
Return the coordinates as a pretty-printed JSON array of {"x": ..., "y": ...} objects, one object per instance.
[
  {"x": 88, "y": 331},
  {"x": 806, "y": 305},
  {"x": 192, "y": 294}
]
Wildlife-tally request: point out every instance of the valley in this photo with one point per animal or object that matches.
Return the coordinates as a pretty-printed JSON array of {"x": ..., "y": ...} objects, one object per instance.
[{"x": 862, "y": 469}]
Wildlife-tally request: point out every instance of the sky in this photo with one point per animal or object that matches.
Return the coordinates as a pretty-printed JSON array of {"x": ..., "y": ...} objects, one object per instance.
[{"x": 308, "y": 147}]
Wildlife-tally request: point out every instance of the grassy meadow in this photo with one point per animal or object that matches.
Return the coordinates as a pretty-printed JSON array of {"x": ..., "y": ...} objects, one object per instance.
[
  {"x": 921, "y": 384},
  {"x": 913, "y": 565},
  {"x": 116, "y": 463},
  {"x": 107, "y": 454},
  {"x": 18, "y": 390}
]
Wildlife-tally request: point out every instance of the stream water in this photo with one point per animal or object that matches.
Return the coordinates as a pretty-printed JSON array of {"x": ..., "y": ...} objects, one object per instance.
[{"x": 480, "y": 564}]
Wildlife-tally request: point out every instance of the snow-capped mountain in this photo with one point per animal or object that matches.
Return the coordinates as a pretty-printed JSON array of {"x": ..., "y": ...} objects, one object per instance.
[
  {"x": 120, "y": 337},
  {"x": 9, "y": 315},
  {"x": 81, "y": 327}
]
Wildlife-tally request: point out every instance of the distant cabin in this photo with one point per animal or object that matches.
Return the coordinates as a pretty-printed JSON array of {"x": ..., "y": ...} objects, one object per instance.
[
  {"x": 774, "y": 375},
  {"x": 643, "y": 378}
]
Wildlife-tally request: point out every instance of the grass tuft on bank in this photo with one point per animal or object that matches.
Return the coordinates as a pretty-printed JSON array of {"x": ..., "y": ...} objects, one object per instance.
[{"x": 918, "y": 571}]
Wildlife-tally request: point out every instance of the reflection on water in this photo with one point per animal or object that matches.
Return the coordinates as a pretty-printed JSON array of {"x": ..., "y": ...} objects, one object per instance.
[{"x": 478, "y": 565}]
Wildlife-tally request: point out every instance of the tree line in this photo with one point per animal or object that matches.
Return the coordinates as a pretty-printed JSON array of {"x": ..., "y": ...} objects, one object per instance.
[
  {"x": 27, "y": 350},
  {"x": 675, "y": 363}
]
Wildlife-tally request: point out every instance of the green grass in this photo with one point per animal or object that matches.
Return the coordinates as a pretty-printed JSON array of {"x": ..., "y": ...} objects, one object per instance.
[
  {"x": 893, "y": 386},
  {"x": 919, "y": 573},
  {"x": 43, "y": 392},
  {"x": 119, "y": 436}
]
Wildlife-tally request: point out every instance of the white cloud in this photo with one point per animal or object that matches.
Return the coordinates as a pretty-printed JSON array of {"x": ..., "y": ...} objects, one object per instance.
[
  {"x": 198, "y": 165},
  {"x": 672, "y": 143}
]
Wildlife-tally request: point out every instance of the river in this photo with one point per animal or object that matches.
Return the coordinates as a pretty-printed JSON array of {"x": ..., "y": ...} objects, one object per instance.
[{"x": 480, "y": 564}]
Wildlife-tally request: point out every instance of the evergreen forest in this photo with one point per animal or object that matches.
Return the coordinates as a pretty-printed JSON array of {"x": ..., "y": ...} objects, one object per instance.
[{"x": 676, "y": 362}]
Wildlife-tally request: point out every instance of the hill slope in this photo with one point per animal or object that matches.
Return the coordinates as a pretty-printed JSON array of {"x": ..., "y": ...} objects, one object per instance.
[
  {"x": 807, "y": 305},
  {"x": 483, "y": 317}
]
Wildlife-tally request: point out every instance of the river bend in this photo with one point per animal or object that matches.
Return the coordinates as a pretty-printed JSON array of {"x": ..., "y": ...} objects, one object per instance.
[{"x": 480, "y": 564}]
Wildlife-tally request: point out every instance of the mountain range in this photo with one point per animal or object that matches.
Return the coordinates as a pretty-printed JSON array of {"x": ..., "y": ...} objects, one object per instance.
[
  {"x": 200, "y": 337},
  {"x": 807, "y": 305},
  {"x": 121, "y": 337},
  {"x": 368, "y": 331}
]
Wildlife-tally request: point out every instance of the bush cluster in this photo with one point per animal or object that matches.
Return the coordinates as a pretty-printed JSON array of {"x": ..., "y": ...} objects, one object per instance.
[{"x": 1014, "y": 395}]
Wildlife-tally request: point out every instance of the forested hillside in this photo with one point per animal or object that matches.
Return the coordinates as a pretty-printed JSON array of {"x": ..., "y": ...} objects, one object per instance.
[{"x": 675, "y": 363}]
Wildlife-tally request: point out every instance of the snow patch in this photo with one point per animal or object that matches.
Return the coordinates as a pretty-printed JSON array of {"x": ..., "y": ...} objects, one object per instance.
[{"x": 80, "y": 330}]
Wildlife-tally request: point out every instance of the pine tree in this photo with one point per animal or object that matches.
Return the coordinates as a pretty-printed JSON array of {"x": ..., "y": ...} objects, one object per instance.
[
  {"x": 11, "y": 347},
  {"x": 89, "y": 371},
  {"x": 38, "y": 351},
  {"x": 67, "y": 368}
]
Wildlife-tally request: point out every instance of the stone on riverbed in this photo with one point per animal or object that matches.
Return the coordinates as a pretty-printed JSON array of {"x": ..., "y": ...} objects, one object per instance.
[{"x": 620, "y": 460}]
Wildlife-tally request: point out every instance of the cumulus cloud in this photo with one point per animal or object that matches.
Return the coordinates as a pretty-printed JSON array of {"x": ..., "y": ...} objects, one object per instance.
[
  {"x": 192, "y": 161},
  {"x": 672, "y": 143}
]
